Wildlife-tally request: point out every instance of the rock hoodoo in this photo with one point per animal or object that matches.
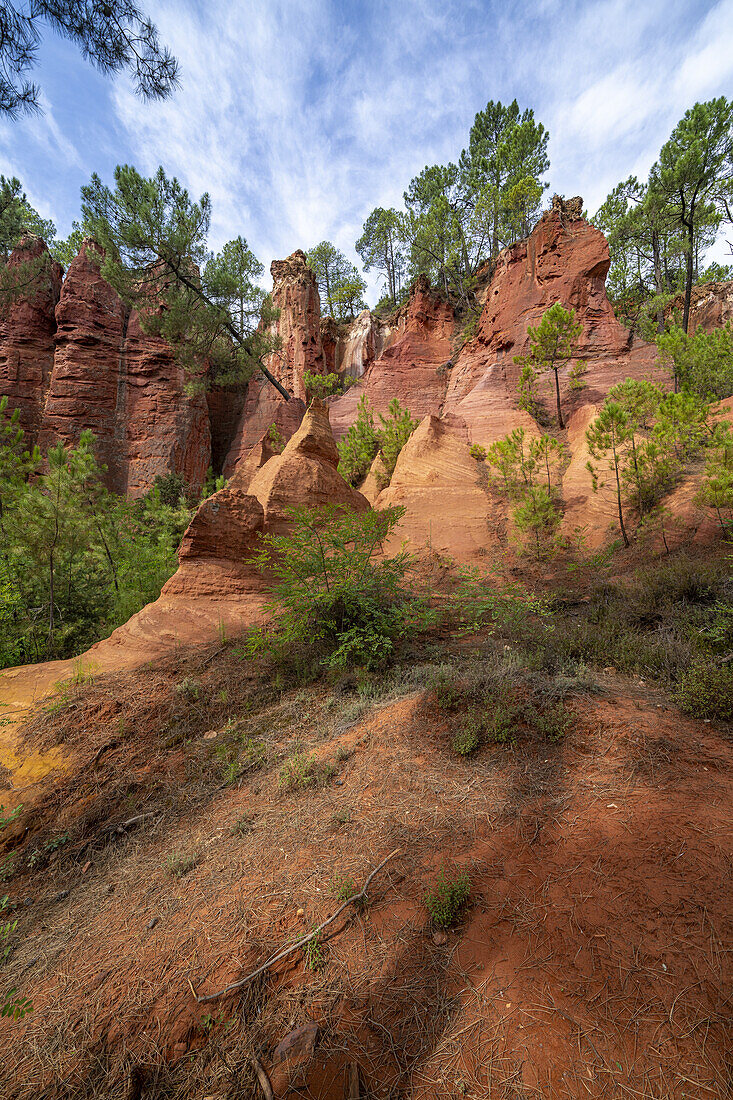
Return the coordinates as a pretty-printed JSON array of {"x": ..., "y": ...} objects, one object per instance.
[
  {"x": 565, "y": 259},
  {"x": 125, "y": 385}
]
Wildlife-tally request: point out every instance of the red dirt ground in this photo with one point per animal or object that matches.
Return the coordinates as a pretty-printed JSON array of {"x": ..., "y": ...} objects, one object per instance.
[{"x": 594, "y": 959}]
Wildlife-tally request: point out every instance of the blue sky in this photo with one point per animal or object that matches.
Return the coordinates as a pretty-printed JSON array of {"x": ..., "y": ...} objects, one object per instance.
[{"x": 300, "y": 117}]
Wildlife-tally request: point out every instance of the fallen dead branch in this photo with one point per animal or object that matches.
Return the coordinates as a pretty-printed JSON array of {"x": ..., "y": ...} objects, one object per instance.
[
  {"x": 263, "y": 1079},
  {"x": 355, "y": 899}
]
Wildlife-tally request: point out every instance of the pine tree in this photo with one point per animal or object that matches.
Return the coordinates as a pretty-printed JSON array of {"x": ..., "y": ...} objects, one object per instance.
[
  {"x": 552, "y": 345},
  {"x": 152, "y": 237}
]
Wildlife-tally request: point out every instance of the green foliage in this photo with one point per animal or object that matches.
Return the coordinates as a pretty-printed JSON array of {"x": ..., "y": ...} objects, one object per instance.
[
  {"x": 114, "y": 36},
  {"x": 706, "y": 691},
  {"x": 75, "y": 560},
  {"x": 66, "y": 250},
  {"x": 276, "y": 439},
  {"x": 449, "y": 897},
  {"x": 340, "y": 286},
  {"x": 478, "y": 452},
  {"x": 458, "y": 215},
  {"x": 380, "y": 248},
  {"x": 320, "y": 385},
  {"x": 358, "y": 448},
  {"x": 552, "y": 344},
  {"x": 716, "y": 491},
  {"x": 343, "y": 887},
  {"x": 297, "y": 772},
  {"x": 179, "y": 864},
  {"x": 336, "y": 596},
  {"x": 701, "y": 364},
  {"x": 11, "y": 1005},
  {"x": 396, "y": 429},
  {"x": 659, "y": 230},
  {"x": 537, "y": 519},
  {"x": 694, "y": 176},
  {"x": 18, "y": 218},
  {"x": 364, "y": 440},
  {"x": 313, "y": 954},
  {"x": 153, "y": 238}
]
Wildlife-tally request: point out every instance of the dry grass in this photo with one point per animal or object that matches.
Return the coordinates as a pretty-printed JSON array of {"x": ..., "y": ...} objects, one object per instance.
[{"x": 592, "y": 960}]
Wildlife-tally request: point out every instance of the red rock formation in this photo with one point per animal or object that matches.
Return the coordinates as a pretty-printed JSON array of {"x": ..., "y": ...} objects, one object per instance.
[
  {"x": 330, "y": 342},
  {"x": 216, "y": 548},
  {"x": 566, "y": 260},
  {"x": 295, "y": 294},
  {"x": 410, "y": 367},
  {"x": 125, "y": 385},
  {"x": 226, "y": 405},
  {"x": 263, "y": 407},
  {"x": 441, "y": 487},
  {"x": 27, "y": 329},
  {"x": 711, "y": 305},
  {"x": 305, "y": 473},
  {"x": 165, "y": 430}
]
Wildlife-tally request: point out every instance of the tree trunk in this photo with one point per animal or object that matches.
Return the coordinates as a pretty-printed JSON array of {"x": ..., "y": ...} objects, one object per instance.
[
  {"x": 688, "y": 277},
  {"x": 560, "y": 420},
  {"x": 618, "y": 498},
  {"x": 658, "y": 279}
]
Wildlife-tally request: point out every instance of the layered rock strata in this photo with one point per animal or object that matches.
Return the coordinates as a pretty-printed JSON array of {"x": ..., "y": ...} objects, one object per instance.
[
  {"x": 27, "y": 330},
  {"x": 413, "y": 366}
]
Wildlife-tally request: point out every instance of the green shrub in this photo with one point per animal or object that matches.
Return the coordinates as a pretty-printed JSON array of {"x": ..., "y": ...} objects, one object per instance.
[
  {"x": 363, "y": 441},
  {"x": 395, "y": 431},
  {"x": 478, "y": 452},
  {"x": 320, "y": 385},
  {"x": 313, "y": 954},
  {"x": 342, "y": 887},
  {"x": 448, "y": 898},
  {"x": 179, "y": 864},
  {"x": 468, "y": 738},
  {"x": 706, "y": 691},
  {"x": 340, "y": 602},
  {"x": 188, "y": 689},
  {"x": 276, "y": 439},
  {"x": 358, "y": 449},
  {"x": 297, "y": 772}
]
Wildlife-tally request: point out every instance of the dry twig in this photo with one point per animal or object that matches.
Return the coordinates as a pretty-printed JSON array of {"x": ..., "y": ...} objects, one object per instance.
[{"x": 354, "y": 899}]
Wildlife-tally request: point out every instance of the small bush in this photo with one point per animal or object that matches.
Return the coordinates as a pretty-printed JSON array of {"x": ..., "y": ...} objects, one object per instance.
[
  {"x": 468, "y": 738},
  {"x": 179, "y": 864},
  {"x": 188, "y": 689},
  {"x": 706, "y": 691},
  {"x": 298, "y": 772},
  {"x": 342, "y": 887},
  {"x": 478, "y": 452},
  {"x": 313, "y": 955},
  {"x": 446, "y": 901}
]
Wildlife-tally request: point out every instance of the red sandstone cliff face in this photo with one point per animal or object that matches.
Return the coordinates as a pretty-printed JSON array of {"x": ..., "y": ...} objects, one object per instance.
[
  {"x": 711, "y": 305},
  {"x": 27, "y": 329},
  {"x": 410, "y": 366},
  {"x": 295, "y": 294},
  {"x": 566, "y": 260},
  {"x": 108, "y": 375}
]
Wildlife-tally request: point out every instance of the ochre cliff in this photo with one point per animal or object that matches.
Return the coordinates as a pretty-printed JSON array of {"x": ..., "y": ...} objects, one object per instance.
[
  {"x": 27, "y": 329},
  {"x": 412, "y": 367},
  {"x": 298, "y": 326},
  {"x": 566, "y": 260}
]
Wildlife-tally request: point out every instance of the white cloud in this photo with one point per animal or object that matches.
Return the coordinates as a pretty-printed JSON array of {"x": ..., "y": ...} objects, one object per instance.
[{"x": 300, "y": 116}]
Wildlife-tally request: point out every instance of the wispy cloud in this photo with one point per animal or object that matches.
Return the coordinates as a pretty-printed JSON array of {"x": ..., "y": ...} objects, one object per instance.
[{"x": 300, "y": 116}]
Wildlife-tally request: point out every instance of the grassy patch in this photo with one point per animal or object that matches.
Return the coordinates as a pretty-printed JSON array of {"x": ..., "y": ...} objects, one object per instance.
[{"x": 448, "y": 898}]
